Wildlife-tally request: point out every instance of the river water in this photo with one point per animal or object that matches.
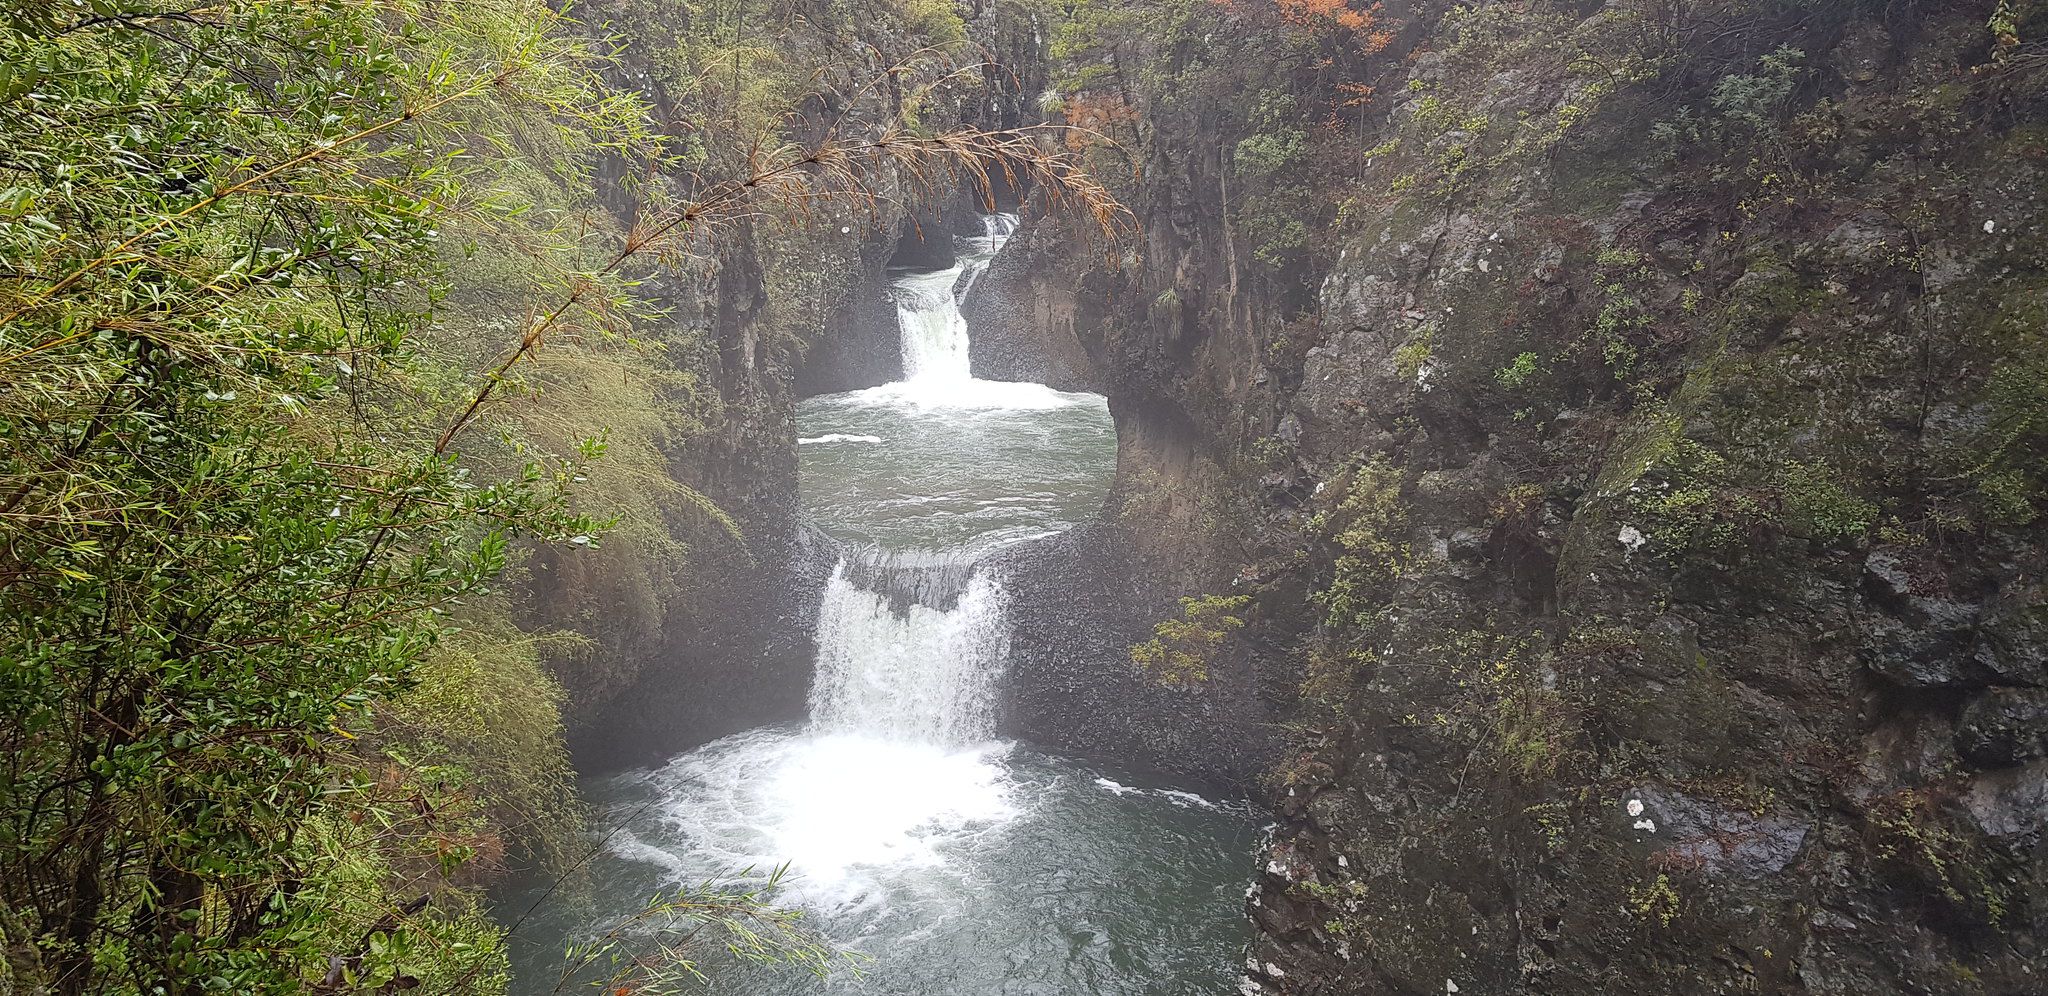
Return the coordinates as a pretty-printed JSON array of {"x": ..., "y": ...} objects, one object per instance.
[{"x": 958, "y": 864}]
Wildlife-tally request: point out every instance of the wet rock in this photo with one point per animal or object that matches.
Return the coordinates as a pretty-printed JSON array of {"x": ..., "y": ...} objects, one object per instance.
[
  {"x": 2005, "y": 727},
  {"x": 2013, "y": 643},
  {"x": 1913, "y": 634},
  {"x": 2010, "y": 803},
  {"x": 1466, "y": 551},
  {"x": 1865, "y": 238},
  {"x": 1720, "y": 840}
]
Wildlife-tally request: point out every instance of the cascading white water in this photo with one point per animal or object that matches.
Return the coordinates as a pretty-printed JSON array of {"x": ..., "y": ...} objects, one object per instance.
[
  {"x": 926, "y": 676},
  {"x": 928, "y": 307},
  {"x": 934, "y": 330},
  {"x": 937, "y": 365},
  {"x": 964, "y": 864},
  {"x": 897, "y": 765}
]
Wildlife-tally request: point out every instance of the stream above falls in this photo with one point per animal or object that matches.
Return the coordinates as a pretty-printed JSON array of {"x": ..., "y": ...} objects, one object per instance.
[{"x": 958, "y": 862}]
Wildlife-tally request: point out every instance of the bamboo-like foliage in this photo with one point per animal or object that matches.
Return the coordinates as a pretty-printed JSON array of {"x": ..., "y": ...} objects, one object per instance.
[
  {"x": 245, "y": 482},
  {"x": 797, "y": 181}
]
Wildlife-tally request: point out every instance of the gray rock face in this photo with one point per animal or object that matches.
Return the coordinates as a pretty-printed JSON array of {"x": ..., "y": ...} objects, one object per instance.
[
  {"x": 2011, "y": 803},
  {"x": 2005, "y": 727},
  {"x": 1715, "y": 838},
  {"x": 1915, "y": 635},
  {"x": 2014, "y": 642}
]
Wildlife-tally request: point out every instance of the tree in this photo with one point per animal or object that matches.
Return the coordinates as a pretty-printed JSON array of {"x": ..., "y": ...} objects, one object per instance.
[{"x": 248, "y": 476}]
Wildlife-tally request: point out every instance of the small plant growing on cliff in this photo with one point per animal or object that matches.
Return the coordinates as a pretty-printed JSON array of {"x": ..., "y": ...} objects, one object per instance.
[
  {"x": 1519, "y": 371},
  {"x": 1683, "y": 493},
  {"x": 1553, "y": 820},
  {"x": 1505, "y": 705},
  {"x": 1365, "y": 526},
  {"x": 1515, "y": 505},
  {"x": 1331, "y": 677},
  {"x": 2005, "y": 496},
  {"x": 1757, "y": 99},
  {"x": 1178, "y": 653},
  {"x": 1815, "y": 496},
  {"x": 1622, "y": 316},
  {"x": 2005, "y": 31},
  {"x": 1413, "y": 358},
  {"x": 1909, "y": 831},
  {"x": 1656, "y": 902}
]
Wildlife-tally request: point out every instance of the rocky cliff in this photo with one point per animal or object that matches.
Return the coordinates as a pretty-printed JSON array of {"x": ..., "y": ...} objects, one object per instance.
[{"x": 1627, "y": 421}]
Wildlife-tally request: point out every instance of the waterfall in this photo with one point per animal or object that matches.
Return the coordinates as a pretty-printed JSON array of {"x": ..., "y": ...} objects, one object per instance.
[
  {"x": 965, "y": 863},
  {"x": 928, "y": 307},
  {"x": 928, "y": 675},
  {"x": 924, "y": 675},
  {"x": 934, "y": 330}
]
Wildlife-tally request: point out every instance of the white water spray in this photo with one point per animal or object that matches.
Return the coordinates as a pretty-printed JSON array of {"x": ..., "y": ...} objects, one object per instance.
[{"x": 928, "y": 676}]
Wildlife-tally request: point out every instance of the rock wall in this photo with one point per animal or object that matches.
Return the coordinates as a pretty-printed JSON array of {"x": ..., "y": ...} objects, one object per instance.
[
  {"x": 1173, "y": 527},
  {"x": 1638, "y": 479}
]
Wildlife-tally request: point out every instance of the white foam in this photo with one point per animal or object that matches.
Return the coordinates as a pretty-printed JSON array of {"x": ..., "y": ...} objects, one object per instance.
[
  {"x": 1185, "y": 800},
  {"x": 629, "y": 846},
  {"x": 970, "y": 394},
  {"x": 1115, "y": 788},
  {"x": 838, "y": 437},
  {"x": 854, "y": 816}
]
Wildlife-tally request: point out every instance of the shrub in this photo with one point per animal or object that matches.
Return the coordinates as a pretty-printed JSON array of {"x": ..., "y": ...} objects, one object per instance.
[
  {"x": 1180, "y": 649},
  {"x": 1366, "y": 526}
]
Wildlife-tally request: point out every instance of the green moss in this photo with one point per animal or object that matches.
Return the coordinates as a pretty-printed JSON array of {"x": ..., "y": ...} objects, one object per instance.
[
  {"x": 1656, "y": 901},
  {"x": 1912, "y": 832},
  {"x": 1592, "y": 184},
  {"x": 1646, "y": 441},
  {"x": 1816, "y": 499},
  {"x": 1413, "y": 355}
]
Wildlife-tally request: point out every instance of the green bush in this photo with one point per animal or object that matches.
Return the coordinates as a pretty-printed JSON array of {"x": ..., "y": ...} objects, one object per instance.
[
  {"x": 1367, "y": 526},
  {"x": 1180, "y": 650}
]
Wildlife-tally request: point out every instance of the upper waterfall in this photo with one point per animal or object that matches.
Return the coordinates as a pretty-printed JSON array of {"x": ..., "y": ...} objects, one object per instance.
[
  {"x": 939, "y": 468},
  {"x": 928, "y": 306},
  {"x": 934, "y": 330}
]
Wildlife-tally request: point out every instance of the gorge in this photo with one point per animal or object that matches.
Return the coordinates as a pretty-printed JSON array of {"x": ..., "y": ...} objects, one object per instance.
[
  {"x": 1599, "y": 630},
  {"x": 1211, "y": 497}
]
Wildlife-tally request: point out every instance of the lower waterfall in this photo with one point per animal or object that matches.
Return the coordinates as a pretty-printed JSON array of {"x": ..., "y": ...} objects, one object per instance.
[{"x": 925, "y": 676}]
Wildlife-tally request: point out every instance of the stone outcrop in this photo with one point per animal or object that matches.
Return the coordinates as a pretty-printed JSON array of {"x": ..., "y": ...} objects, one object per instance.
[{"x": 1646, "y": 560}]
